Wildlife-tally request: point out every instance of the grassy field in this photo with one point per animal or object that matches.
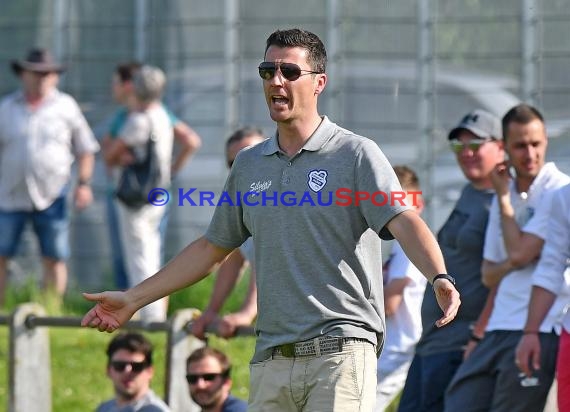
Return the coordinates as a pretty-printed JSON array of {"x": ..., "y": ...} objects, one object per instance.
[{"x": 78, "y": 356}]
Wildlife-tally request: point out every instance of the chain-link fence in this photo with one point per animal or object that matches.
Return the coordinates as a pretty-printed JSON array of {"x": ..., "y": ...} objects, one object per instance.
[{"x": 400, "y": 72}]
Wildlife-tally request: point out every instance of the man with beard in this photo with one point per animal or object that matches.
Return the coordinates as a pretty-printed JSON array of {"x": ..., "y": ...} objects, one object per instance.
[
  {"x": 130, "y": 368},
  {"x": 209, "y": 381},
  {"x": 518, "y": 225}
]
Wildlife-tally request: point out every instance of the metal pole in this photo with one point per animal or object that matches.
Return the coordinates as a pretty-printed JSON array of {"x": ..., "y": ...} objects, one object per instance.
[
  {"x": 141, "y": 17},
  {"x": 425, "y": 67},
  {"x": 231, "y": 64},
  {"x": 333, "y": 51},
  {"x": 530, "y": 51}
]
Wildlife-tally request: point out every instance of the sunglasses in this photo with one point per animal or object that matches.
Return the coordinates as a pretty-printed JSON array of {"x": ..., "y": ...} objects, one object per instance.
[
  {"x": 457, "y": 146},
  {"x": 290, "y": 71},
  {"x": 207, "y": 377},
  {"x": 121, "y": 366}
]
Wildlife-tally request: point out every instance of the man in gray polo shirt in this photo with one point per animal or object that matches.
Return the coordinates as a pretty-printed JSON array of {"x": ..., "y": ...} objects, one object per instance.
[{"x": 314, "y": 197}]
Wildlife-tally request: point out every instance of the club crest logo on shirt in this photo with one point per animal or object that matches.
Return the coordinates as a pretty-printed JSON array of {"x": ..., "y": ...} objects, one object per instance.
[{"x": 317, "y": 179}]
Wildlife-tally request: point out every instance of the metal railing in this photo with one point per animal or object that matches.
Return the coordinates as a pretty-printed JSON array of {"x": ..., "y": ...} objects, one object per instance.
[{"x": 29, "y": 364}]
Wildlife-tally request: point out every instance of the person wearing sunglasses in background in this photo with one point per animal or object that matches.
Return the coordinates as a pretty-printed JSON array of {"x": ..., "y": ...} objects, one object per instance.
[
  {"x": 319, "y": 276},
  {"x": 129, "y": 366},
  {"x": 209, "y": 381},
  {"x": 228, "y": 273},
  {"x": 518, "y": 224},
  {"x": 478, "y": 147}
]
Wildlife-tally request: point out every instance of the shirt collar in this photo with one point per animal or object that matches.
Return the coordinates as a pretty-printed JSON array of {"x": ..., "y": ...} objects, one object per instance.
[{"x": 318, "y": 139}]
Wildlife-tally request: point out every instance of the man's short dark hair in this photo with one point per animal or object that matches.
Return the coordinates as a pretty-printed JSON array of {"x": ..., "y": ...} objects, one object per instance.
[
  {"x": 127, "y": 70},
  {"x": 523, "y": 114},
  {"x": 132, "y": 342},
  {"x": 242, "y": 133},
  {"x": 207, "y": 351},
  {"x": 301, "y": 38}
]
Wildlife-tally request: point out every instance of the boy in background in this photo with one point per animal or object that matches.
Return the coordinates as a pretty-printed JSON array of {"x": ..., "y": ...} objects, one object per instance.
[{"x": 404, "y": 287}]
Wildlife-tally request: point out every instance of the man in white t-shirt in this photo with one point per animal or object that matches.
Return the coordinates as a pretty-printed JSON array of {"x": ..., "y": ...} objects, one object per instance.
[
  {"x": 518, "y": 220},
  {"x": 403, "y": 294}
]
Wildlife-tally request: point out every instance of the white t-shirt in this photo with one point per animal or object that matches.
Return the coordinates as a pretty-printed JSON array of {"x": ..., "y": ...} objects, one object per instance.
[
  {"x": 404, "y": 328},
  {"x": 553, "y": 270},
  {"x": 532, "y": 215}
]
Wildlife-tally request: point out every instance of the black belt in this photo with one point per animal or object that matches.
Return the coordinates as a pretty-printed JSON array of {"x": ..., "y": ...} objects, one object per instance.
[{"x": 315, "y": 347}]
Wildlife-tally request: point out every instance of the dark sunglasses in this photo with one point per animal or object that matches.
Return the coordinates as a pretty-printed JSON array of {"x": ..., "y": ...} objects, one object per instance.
[
  {"x": 207, "y": 377},
  {"x": 137, "y": 367},
  {"x": 290, "y": 71},
  {"x": 457, "y": 146}
]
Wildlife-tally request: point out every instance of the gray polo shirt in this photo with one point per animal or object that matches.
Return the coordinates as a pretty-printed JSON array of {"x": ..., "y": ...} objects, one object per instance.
[
  {"x": 37, "y": 149},
  {"x": 318, "y": 265},
  {"x": 150, "y": 402}
]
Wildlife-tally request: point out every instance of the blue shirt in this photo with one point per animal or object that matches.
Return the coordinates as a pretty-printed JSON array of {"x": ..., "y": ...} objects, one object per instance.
[{"x": 233, "y": 404}]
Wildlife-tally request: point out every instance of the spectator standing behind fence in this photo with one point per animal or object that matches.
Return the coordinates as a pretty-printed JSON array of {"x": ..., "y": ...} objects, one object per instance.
[
  {"x": 404, "y": 287},
  {"x": 187, "y": 140},
  {"x": 129, "y": 366},
  {"x": 229, "y": 271},
  {"x": 42, "y": 132},
  {"x": 140, "y": 226},
  {"x": 320, "y": 313},
  {"x": 518, "y": 222},
  {"x": 550, "y": 278},
  {"x": 208, "y": 375},
  {"x": 478, "y": 147}
]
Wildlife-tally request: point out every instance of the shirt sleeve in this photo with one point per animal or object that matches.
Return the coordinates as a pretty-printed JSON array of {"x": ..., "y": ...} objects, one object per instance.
[
  {"x": 136, "y": 131},
  {"x": 227, "y": 228},
  {"x": 538, "y": 224},
  {"x": 376, "y": 177},
  {"x": 117, "y": 123},
  {"x": 83, "y": 140},
  {"x": 493, "y": 249},
  {"x": 555, "y": 257}
]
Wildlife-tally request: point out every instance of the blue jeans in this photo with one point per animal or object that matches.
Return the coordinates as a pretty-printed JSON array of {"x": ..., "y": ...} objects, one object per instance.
[
  {"x": 51, "y": 226},
  {"x": 428, "y": 378}
]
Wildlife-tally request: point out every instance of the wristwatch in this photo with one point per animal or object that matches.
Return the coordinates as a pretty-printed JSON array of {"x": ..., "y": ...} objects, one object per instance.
[
  {"x": 84, "y": 182},
  {"x": 444, "y": 276}
]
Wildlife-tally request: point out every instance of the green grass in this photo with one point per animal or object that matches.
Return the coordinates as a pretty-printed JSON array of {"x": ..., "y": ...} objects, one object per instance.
[{"x": 78, "y": 355}]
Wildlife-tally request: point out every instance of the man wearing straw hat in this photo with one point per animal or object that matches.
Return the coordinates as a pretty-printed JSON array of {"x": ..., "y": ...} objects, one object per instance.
[{"x": 42, "y": 132}]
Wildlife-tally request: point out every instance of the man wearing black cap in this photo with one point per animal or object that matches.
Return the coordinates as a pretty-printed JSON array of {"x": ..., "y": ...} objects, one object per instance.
[
  {"x": 477, "y": 144},
  {"x": 42, "y": 131}
]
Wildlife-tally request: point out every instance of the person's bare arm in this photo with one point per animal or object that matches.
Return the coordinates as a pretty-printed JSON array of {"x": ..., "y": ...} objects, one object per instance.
[
  {"x": 480, "y": 325},
  {"x": 189, "y": 142},
  {"x": 493, "y": 272},
  {"x": 422, "y": 249},
  {"x": 116, "y": 153},
  {"x": 83, "y": 192},
  {"x": 226, "y": 278},
  {"x": 113, "y": 309},
  {"x": 527, "y": 353},
  {"x": 522, "y": 248},
  {"x": 244, "y": 317}
]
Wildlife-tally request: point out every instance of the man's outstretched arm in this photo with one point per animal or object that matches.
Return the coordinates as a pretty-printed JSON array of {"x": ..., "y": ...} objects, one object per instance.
[{"x": 113, "y": 309}]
